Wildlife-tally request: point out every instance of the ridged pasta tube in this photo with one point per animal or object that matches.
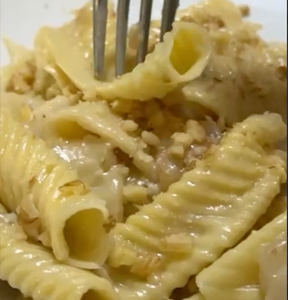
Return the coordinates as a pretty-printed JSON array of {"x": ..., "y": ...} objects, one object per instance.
[
  {"x": 236, "y": 274},
  {"x": 209, "y": 210},
  {"x": 36, "y": 273},
  {"x": 51, "y": 202},
  {"x": 181, "y": 57},
  {"x": 97, "y": 118}
]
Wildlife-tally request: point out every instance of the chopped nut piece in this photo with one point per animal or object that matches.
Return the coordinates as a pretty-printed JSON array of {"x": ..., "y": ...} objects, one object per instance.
[
  {"x": 136, "y": 194},
  {"x": 182, "y": 138},
  {"x": 26, "y": 113},
  {"x": 150, "y": 138},
  {"x": 122, "y": 257},
  {"x": 146, "y": 265},
  {"x": 176, "y": 150},
  {"x": 129, "y": 125},
  {"x": 196, "y": 131}
]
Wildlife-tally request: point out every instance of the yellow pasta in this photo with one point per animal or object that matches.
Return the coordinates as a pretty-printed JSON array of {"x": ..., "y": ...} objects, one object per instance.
[
  {"x": 207, "y": 211},
  {"x": 146, "y": 180},
  {"x": 14, "y": 102},
  {"x": 276, "y": 208},
  {"x": 110, "y": 188},
  {"x": 14, "y": 74},
  {"x": 89, "y": 156},
  {"x": 180, "y": 58},
  {"x": 37, "y": 274},
  {"x": 98, "y": 119},
  {"x": 33, "y": 111},
  {"x": 52, "y": 204},
  {"x": 236, "y": 274},
  {"x": 248, "y": 75},
  {"x": 261, "y": 92}
]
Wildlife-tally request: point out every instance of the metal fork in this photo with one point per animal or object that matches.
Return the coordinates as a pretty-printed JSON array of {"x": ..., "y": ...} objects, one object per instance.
[{"x": 100, "y": 12}]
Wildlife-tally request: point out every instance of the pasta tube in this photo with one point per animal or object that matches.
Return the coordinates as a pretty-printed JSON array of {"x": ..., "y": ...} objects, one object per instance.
[
  {"x": 97, "y": 118},
  {"x": 209, "y": 210},
  {"x": 36, "y": 273},
  {"x": 53, "y": 205},
  {"x": 179, "y": 59},
  {"x": 236, "y": 274}
]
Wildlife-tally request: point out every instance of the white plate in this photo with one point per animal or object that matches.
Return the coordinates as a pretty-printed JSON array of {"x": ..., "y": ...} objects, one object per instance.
[{"x": 20, "y": 20}]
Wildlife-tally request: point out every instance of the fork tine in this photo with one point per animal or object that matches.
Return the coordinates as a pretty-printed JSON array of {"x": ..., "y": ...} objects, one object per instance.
[
  {"x": 144, "y": 27},
  {"x": 168, "y": 16},
  {"x": 121, "y": 35},
  {"x": 100, "y": 13}
]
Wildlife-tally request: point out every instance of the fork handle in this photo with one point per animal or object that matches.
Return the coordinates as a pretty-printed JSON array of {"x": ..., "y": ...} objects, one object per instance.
[{"x": 168, "y": 16}]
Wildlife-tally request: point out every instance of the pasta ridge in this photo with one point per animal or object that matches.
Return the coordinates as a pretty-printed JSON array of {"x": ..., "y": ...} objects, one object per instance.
[
  {"x": 36, "y": 273},
  {"x": 49, "y": 198},
  {"x": 181, "y": 58},
  {"x": 165, "y": 182},
  {"x": 191, "y": 224},
  {"x": 236, "y": 274},
  {"x": 97, "y": 118}
]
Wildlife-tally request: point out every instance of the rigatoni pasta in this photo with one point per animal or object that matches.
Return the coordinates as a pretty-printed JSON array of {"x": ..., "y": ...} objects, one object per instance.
[
  {"x": 98, "y": 119},
  {"x": 146, "y": 179},
  {"x": 245, "y": 75},
  {"x": 236, "y": 275},
  {"x": 36, "y": 273},
  {"x": 209, "y": 210},
  {"x": 180, "y": 58},
  {"x": 53, "y": 204}
]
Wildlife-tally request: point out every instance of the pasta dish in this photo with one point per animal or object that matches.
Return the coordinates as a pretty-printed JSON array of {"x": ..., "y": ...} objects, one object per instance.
[{"x": 168, "y": 182}]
